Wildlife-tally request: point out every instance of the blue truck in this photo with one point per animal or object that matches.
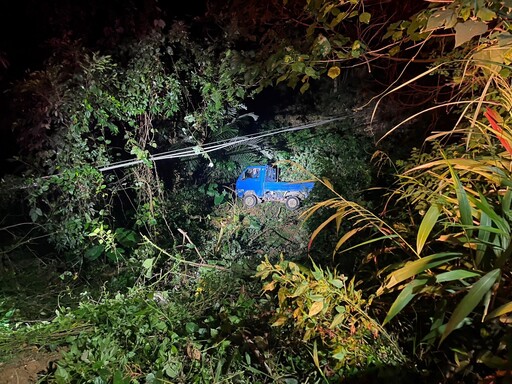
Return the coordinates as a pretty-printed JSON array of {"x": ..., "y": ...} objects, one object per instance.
[{"x": 258, "y": 183}]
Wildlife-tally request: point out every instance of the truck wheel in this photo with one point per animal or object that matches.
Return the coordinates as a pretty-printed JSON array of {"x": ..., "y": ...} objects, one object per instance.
[
  {"x": 249, "y": 201},
  {"x": 292, "y": 203}
]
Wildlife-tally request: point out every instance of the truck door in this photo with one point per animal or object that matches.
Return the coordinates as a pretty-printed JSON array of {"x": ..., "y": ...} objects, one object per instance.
[{"x": 253, "y": 178}]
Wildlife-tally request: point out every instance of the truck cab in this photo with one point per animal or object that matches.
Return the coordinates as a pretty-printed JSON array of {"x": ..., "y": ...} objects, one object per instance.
[{"x": 258, "y": 183}]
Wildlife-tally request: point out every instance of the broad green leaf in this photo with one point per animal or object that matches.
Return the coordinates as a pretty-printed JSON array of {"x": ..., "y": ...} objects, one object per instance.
[
  {"x": 493, "y": 361},
  {"x": 443, "y": 18},
  {"x": 413, "y": 268},
  {"x": 485, "y": 207},
  {"x": 506, "y": 201},
  {"x": 94, "y": 252},
  {"x": 337, "y": 283},
  {"x": 338, "y": 19},
  {"x": 467, "y": 30},
  {"x": 485, "y": 14},
  {"x": 148, "y": 266},
  {"x": 470, "y": 301},
  {"x": 298, "y": 66},
  {"x": 457, "y": 274},
  {"x": 407, "y": 294},
  {"x": 502, "y": 310},
  {"x": 426, "y": 226},
  {"x": 393, "y": 51}
]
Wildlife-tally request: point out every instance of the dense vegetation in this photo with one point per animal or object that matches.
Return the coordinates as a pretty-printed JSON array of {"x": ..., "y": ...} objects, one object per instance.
[{"x": 135, "y": 262}]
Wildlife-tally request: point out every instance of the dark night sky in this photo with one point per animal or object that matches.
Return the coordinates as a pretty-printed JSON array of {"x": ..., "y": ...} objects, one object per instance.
[{"x": 27, "y": 25}]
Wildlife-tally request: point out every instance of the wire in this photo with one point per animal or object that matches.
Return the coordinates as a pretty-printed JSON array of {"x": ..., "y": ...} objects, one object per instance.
[{"x": 214, "y": 146}]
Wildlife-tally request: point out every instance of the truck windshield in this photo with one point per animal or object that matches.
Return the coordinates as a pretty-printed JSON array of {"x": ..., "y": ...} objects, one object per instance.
[{"x": 252, "y": 173}]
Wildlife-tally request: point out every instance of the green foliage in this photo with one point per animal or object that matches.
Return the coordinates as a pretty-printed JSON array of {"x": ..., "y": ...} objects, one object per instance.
[
  {"x": 86, "y": 109},
  {"x": 210, "y": 330},
  {"x": 326, "y": 309}
]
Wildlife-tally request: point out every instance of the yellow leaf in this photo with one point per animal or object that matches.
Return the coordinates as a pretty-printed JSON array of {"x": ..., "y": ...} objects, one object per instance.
[
  {"x": 280, "y": 321},
  {"x": 334, "y": 72},
  {"x": 269, "y": 286},
  {"x": 282, "y": 294},
  {"x": 316, "y": 308}
]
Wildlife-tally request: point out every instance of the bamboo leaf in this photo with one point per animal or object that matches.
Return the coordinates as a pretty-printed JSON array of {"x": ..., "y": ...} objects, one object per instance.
[
  {"x": 470, "y": 301},
  {"x": 321, "y": 227},
  {"x": 462, "y": 198},
  {"x": 426, "y": 226},
  {"x": 407, "y": 294},
  {"x": 413, "y": 268},
  {"x": 457, "y": 274},
  {"x": 483, "y": 237},
  {"x": 346, "y": 237},
  {"x": 507, "y": 201},
  {"x": 502, "y": 310},
  {"x": 387, "y": 237}
]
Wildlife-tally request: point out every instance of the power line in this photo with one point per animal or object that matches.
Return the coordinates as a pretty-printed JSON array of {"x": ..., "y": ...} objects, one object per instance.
[{"x": 215, "y": 146}]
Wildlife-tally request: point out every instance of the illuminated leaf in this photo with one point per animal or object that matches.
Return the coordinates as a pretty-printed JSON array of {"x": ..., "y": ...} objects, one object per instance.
[
  {"x": 304, "y": 87},
  {"x": 413, "y": 268},
  {"x": 457, "y": 274},
  {"x": 470, "y": 301},
  {"x": 485, "y": 14},
  {"x": 444, "y": 18},
  {"x": 338, "y": 319},
  {"x": 393, "y": 51},
  {"x": 426, "y": 226},
  {"x": 338, "y": 19},
  {"x": 365, "y": 17},
  {"x": 462, "y": 198},
  {"x": 334, "y": 72},
  {"x": 280, "y": 321},
  {"x": 467, "y": 30},
  {"x": 316, "y": 360},
  {"x": 316, "y": 308},
  {"x": 404, "y": 298},
  {"x": 502, "y": 310},
  {"x": 269, "y": 286}
]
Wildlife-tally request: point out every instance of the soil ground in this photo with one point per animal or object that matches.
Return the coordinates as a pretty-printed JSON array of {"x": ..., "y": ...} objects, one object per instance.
[{"x": 27, "y": 367}]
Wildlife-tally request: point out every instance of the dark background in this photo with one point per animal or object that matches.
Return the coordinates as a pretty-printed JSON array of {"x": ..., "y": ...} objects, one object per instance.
[{"x": 27, "y": 28}]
